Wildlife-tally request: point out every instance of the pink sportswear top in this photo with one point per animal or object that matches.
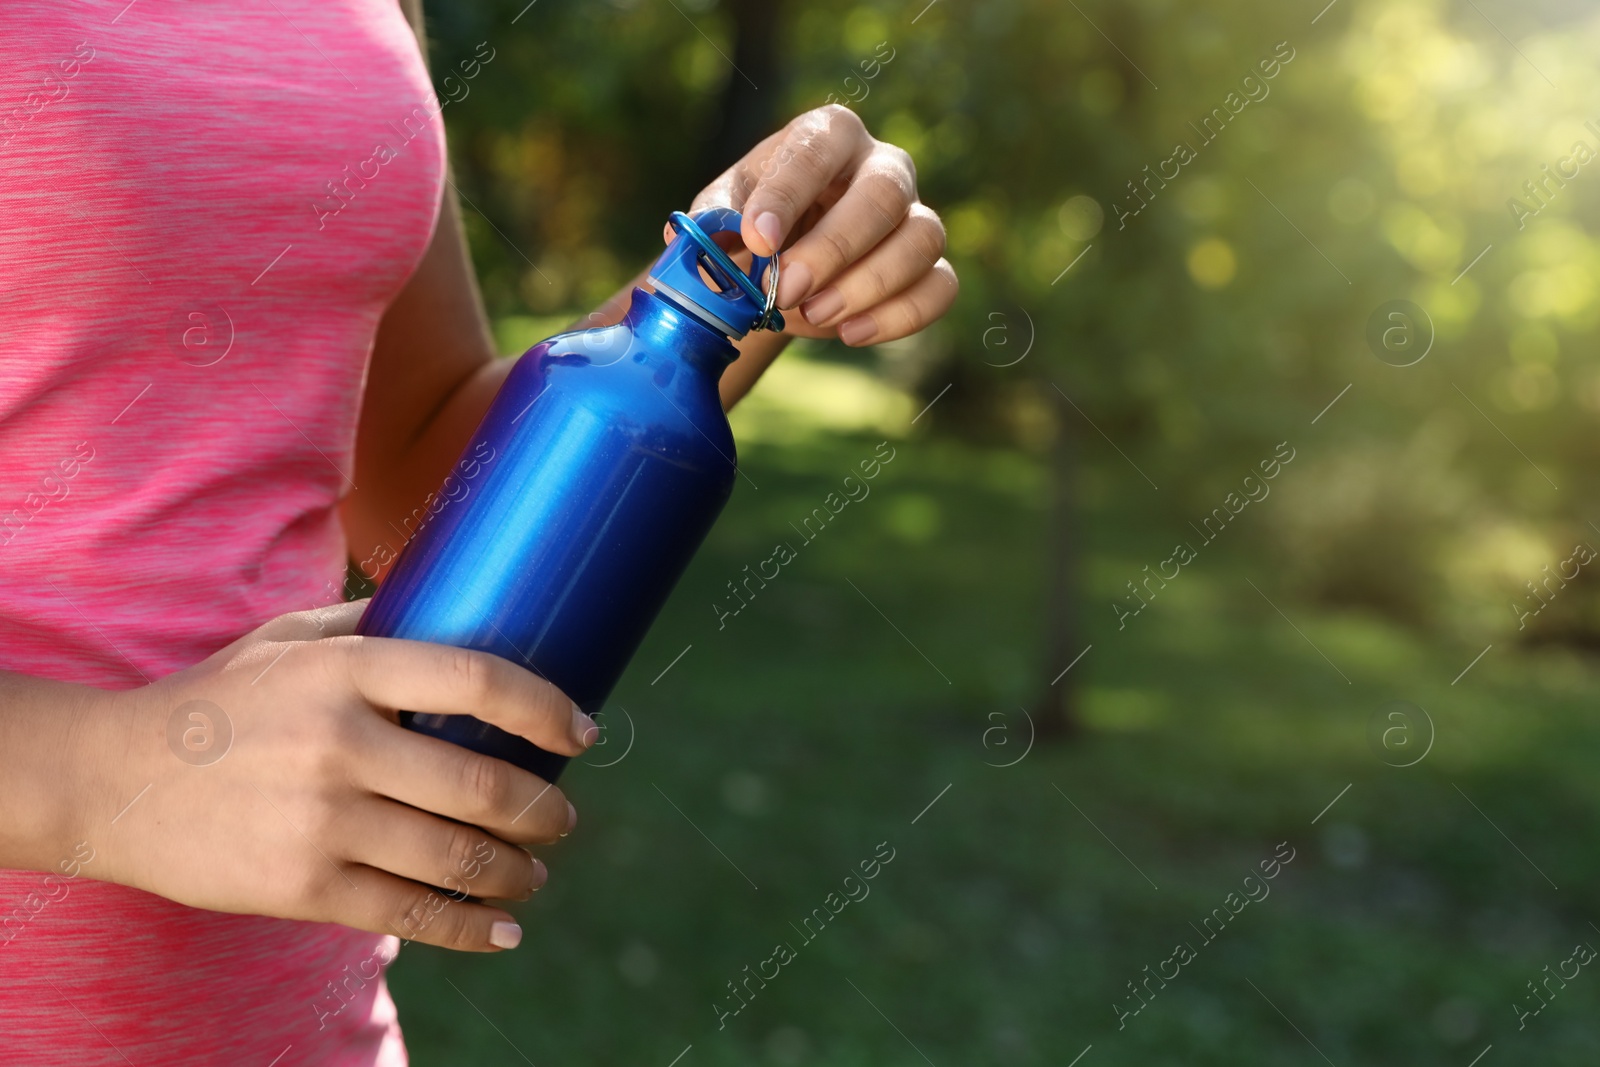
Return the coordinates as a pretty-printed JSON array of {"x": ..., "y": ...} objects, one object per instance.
[{"x": 204, "y": 210}]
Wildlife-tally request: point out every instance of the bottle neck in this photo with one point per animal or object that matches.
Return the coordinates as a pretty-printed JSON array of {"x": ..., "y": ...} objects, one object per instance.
[{"x": 660, "y": 324}]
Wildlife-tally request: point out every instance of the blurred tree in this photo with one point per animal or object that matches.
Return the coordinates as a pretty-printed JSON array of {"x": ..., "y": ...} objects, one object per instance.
[
  {"x": 1058, "y": 696},
  {"x": 749, "y": 108},
  {"x": 1198, "y": 308}
]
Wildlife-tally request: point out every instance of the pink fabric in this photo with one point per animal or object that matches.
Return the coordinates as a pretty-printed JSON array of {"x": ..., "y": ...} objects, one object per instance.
[{"x": 186, "y": 312}]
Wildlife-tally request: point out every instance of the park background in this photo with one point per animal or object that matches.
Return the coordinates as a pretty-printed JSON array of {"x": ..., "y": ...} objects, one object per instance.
[{"x": 1354, "y": 666}]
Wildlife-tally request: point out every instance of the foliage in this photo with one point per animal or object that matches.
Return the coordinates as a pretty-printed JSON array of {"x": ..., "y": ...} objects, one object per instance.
[{"x": 1222, "y": 317}]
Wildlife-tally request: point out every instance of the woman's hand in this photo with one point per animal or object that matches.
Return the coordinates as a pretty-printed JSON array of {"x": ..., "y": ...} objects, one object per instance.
[
  {"x": 315, "y": 803},
  {"x": 865, "y": 263}
]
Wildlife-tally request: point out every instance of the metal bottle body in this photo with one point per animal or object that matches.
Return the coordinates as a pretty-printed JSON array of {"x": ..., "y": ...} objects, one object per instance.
[{"x": 594, "y": 477}]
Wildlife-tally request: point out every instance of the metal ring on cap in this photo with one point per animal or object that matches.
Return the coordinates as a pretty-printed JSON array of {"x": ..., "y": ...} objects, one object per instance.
[{"x": 765, "y": 321}]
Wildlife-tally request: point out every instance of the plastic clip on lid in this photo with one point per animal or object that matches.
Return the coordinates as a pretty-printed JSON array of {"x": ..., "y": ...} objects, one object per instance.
[{"x": 740, "y": 306}]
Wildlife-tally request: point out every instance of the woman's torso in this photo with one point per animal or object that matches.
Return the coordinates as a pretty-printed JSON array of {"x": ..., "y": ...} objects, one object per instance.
[{"x": 205, "y": 210}]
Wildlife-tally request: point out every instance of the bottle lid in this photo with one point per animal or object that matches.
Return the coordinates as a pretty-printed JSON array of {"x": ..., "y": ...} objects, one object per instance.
[{"x": 737, "y": 305}]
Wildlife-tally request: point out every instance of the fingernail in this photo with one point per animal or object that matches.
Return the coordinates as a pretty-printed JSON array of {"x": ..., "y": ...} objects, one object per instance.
[
  {"x": 822, "y": 307},
  {"x": 584, "y": 729},
  {"x": 770, "y": 227},
  {"x": 794, "y": 285},
  {"x": 857, "y": 330},
  {"x": 572, "y": 819},
  {"x": 505, "y": 935},
  {"x": 541, "y": 875}
]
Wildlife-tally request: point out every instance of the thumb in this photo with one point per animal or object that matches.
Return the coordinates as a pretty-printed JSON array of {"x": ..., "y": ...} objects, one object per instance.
[
  {"x": 810, "y": 154},
  {"x": 334, "y": 620}
]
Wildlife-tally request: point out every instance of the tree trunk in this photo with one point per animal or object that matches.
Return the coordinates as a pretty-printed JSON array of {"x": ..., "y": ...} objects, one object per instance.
[
  {"x": 1058, "y": 703},
  {"x": 748, "y": 112}
]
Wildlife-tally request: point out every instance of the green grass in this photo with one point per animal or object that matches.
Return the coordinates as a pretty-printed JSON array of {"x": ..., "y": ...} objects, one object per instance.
[{"x": 1007, "y": 925}]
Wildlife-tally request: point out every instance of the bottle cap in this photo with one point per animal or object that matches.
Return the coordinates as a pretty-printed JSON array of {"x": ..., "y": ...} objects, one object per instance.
[{"x": 738, "y": 305}]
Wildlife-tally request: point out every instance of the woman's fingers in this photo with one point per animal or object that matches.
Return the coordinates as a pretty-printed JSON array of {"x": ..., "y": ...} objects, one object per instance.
[
  {"x": 880, "y": 193},
  {"x": 439, "y": 679},
  {"x": 905, "y": 314},
  {"x": 907, "y": 254},
  {"x": 437, "y": 852},
  {"x": 866, "y": 262},
  {"x": 437, "y": 776},
  {"x": 384, "y": 903},
  {"x": 814, "y": 150}
]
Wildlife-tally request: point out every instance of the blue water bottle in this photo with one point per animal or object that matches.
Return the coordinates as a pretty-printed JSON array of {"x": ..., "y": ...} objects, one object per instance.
[{"x": 594, "y": 476}]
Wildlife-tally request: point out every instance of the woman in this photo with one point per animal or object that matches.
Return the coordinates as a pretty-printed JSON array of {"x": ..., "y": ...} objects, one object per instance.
[{"x": 241, "y": 342}]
